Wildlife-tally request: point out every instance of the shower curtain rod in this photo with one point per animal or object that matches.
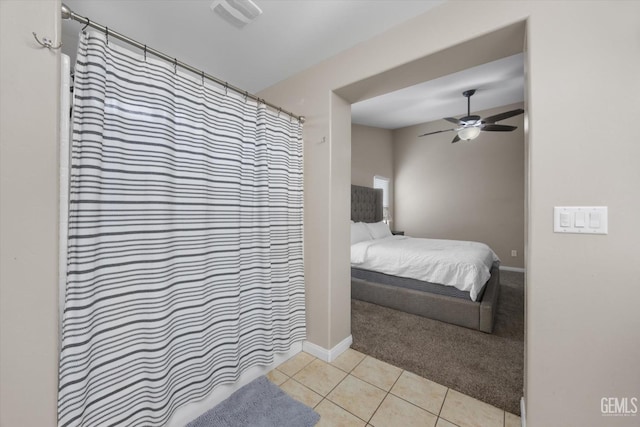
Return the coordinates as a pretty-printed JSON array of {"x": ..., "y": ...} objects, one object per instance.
[{"x": 67, "y": 13}]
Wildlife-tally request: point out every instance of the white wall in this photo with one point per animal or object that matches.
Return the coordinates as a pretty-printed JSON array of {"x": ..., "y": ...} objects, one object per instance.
[
  {"x": 582, "y": 291},
  {"x": 29, "y": 81}
]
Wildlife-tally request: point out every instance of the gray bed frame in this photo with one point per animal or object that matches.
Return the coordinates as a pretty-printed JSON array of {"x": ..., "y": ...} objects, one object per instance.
[{"x": 366, "y": 206}]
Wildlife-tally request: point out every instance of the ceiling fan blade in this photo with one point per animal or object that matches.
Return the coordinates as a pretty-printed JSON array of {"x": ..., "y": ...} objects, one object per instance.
[
  {"x": 498, "y": 128},
  {"x": 502, "y": 116},
  {"x": 456, "y": 139},
  {"x": 452, "y": 120},
  {"x": 438, "y": 131}
]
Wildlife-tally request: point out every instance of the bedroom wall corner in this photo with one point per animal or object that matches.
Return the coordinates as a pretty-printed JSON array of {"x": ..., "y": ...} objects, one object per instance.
[
  {"x": 371, "y": 155},
  {"x": 29, "y": 114}
]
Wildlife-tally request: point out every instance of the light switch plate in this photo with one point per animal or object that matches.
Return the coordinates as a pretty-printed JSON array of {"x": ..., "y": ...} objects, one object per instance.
[{"x": 582, "y": 219}]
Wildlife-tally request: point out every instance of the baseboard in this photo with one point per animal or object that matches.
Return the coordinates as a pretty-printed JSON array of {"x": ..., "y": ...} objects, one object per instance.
[
  {"x": 328, "y": 355},
  {"x": 516, "y": 269},
  {"x": 523, "y": 416},
  {"x": 191, "y": 411}
]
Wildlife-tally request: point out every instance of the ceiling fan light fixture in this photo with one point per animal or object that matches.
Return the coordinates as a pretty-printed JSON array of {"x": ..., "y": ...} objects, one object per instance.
[
  {"x": 470, "y": 126},
  {"x": 469, "y": 133}
]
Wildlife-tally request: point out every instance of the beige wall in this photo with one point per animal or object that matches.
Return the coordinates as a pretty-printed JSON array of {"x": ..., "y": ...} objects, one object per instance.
[
  {"x": 583, "y": 61},
  {"x": 464, "y": 191},
  {"x": 29, "y": 82},
  {"x": 583, "y": 58},
  {"x": 371, "y": 155}
]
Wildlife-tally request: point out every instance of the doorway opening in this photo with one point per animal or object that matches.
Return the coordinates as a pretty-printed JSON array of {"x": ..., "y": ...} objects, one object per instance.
[{"x": 497, "y": 45}]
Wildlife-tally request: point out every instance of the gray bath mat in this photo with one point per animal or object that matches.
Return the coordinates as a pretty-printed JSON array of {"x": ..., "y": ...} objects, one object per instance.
[{"x": 258, "y": 404}]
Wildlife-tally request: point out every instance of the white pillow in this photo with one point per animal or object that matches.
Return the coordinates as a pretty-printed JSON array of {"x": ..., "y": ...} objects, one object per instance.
[
  {"x": 359, "y": 233},
  {"x": 379, "y": 230}
]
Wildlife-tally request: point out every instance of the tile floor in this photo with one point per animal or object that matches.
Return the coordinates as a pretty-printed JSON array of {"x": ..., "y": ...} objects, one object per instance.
[{"x": 360, "y": 391}]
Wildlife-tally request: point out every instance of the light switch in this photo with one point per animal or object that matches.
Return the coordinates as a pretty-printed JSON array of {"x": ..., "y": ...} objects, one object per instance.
[{"x": 581, "y": 219}]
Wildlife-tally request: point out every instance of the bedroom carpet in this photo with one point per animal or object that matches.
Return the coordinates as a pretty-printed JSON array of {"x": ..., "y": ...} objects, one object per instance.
[{"x": 488, "y": 367}]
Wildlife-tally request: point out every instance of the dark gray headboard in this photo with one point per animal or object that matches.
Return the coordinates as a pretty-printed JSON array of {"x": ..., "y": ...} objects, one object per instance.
[{"x": 366, "y": 204}]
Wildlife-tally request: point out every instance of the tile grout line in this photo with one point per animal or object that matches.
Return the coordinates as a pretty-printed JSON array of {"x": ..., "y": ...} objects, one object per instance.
[
  {"x": 400, "y": 397},
  {"x": 378, "y": 387},
  {"x": 453, "y": 424},
  {"x": 326, "y": 397},
  {"x": 367, "y": 382},
  {"x": 385, "y": 397},
  {"x": 340, "y": 406},
  {"x": 348, "y": 374},
  {"x": 276, "y": 368},
  {"x": 296, "y": 381},
  {"x": 318, "y": 404},
  {"x": 352, "y": 369},
  {"x": 357, "y": 416},
  {"x": 286, "y": 376},
  {"x": 446, "y": 394},
  {"x": 312, "y": 360},
  {"x": 313, "y": 391},
  {"x": 411, "y": 403},
  {"x": 504, "y": 413}
]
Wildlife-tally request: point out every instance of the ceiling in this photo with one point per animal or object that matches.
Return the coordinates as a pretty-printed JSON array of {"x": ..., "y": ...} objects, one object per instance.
[
  {"x": 290, "y": 36},
  {"x": 287, "y": 38},
  {"x": 498, "y": 83}
]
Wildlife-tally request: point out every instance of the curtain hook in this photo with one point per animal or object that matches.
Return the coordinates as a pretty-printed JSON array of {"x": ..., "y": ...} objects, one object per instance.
[
  {"x": 86, "y": 25},
  {"x": 279, "y": 111},
  {"x": 46, "y": 42},
  {"x": 246, "y": 95},
  {"x": 203, "y": 78},
  {"x": 175, "y": 65},
  {"x": 226, "y": 88},
  {"x": 107, "y": 34},
  {"x": 145, "y": 53}
]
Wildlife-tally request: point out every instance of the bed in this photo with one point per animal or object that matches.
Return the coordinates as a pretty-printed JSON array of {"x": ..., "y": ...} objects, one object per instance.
[{"x": 429, "y": 299}]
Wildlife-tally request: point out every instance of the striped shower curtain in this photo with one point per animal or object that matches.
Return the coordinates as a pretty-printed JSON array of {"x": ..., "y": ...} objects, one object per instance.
[{"x": 184, "y": 240}]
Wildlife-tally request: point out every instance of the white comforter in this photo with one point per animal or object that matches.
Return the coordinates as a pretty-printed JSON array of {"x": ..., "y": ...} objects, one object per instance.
[{"x": 464, "y": 265}]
